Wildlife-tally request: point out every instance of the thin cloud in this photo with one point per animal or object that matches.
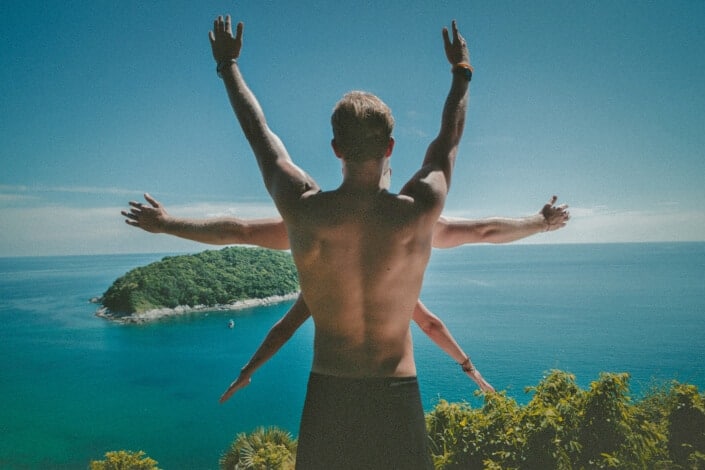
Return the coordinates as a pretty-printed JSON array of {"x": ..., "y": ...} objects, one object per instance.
[
  {"x": 23, "y": 189},
  {"x": 7, "y": 198},
  {"x": 56, "y": 229},
  {"x": 603, "y": 224}
]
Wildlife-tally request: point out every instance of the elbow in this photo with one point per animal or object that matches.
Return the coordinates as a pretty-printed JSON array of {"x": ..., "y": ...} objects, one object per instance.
[{"x": 430, "y": 326}]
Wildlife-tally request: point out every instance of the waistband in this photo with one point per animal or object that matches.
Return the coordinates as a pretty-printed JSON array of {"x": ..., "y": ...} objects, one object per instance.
[{"x": 362, "y": 381}]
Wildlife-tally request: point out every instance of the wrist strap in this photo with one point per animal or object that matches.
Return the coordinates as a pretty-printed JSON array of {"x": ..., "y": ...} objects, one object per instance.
[
  {"x": 463, "y": 68},
  {"x": 467, "y": 366},
  {"x": 222, "y": 64}
]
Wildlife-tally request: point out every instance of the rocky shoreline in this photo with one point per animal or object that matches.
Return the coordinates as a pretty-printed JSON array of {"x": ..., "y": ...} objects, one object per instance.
[{"x": 161, "y": 313}]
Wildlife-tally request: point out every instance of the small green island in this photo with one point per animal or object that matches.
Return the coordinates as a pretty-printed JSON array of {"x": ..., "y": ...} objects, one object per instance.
[{"x": 230, "y": 278}]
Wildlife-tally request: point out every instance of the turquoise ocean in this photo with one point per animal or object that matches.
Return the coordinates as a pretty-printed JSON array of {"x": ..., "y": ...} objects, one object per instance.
[{"x": 73, "y": 386}]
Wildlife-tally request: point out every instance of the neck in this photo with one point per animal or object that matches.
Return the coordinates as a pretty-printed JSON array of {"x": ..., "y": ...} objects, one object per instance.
[{"x": 363, "y": 176}]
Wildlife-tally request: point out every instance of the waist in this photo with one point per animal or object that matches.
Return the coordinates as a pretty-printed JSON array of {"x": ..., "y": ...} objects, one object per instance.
[{"x": 366, "y": 382}]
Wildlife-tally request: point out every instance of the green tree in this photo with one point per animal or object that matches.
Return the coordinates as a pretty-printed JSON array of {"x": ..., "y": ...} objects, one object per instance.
[
  {"x": 564, "y": 427},
  {"x": 464, "y": 438},
  {"x": 686, "y": 427},
  {"x": 124, "y": 460},
  {"x": 550, "y": 421},
  {"x": 606, "y": 421},
  {"x": 264, "y": 449}
]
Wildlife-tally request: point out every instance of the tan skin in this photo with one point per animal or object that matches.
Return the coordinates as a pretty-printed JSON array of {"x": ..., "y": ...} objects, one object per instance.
[
  {"x": 360, "y": 251},
  {"x": 360, "y": 301},
  {"x": 271, "y": 233}
]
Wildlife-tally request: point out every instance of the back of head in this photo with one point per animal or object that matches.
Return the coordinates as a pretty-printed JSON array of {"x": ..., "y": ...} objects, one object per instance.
[{"x": 362, "y": 126}]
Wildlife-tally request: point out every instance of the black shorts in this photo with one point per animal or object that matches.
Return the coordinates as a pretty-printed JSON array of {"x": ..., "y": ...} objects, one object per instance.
[{"x": 370, "y": 423}]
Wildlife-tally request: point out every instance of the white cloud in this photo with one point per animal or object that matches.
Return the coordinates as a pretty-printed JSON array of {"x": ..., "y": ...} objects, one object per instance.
[
  {"x": 241, "y": 209},
  {"x": 62, "y": 230},
  {"x": 601, "y": 224},
  {"x": 665, "y": 224}
]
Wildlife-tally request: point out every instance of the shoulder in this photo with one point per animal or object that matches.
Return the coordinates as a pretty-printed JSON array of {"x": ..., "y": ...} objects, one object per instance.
[{"x": 427, "y": 191}]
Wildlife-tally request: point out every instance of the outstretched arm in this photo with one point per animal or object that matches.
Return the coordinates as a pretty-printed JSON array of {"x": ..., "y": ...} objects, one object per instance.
[
  {"x": 271, "y": 233},
  {"x": 154, "y": 218},
  {"x": 431, "y": 183},
  {"x": 278, "y": 335},
  {"x": 449, "y": 233},
  {"x": 439, "y": 334},
  {"x": 282, "y": 331},
  {"x": 285, "y": 182}
]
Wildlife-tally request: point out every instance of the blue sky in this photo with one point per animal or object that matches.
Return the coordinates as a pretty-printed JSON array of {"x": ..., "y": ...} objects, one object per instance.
[{"x": 599, "y": 102}]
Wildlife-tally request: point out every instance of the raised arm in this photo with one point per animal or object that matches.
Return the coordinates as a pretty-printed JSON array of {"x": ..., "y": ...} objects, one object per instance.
[
  {"x": 278, "y": 335},
  {"x": 449, "y": 233},
  {"x": 438, "y": 163},
  {"x": 283, "y": 179},
  {"x": 154, "y": 218},
  {"x": 437, "y": 331}
]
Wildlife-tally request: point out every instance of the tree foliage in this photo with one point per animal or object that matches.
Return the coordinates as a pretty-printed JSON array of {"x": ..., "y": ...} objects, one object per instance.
[
  {"x": 264, "y": 449},
  {"x": 214, "y": 277},
  {"x": 564, "y": 427},
  {"x": 124, "y": 460}
]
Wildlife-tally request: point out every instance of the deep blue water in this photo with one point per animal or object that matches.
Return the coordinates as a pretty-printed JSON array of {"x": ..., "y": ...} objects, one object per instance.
[{"x": 73, "y": 386}]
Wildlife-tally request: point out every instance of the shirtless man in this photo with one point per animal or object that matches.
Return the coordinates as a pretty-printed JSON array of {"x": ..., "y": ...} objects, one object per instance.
[
  {"x": 361, "y": 253},
  {"x": 271, "y": 233}
]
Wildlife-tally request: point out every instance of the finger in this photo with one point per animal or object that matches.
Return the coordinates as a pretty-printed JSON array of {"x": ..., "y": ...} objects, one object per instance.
[
  {"x": 553, "y": 200},
  {"x": 211, "y": 37},
  {"x": 563, "y": 207},
  {"x": 132, "y": 222},
  {"x": 239, "y": 30},
  {"x": 455, "y": 30},
  {"x": 136, "y": 204},
  {"x": 228, "y": 25},
  {"x": 446, "y": 39},
  {"x": 228, "y": 393},
  {"x": 151, "y": 200}
]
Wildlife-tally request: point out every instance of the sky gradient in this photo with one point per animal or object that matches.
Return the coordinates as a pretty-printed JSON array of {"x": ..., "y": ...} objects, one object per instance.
[{"x": 601, "y": 103}]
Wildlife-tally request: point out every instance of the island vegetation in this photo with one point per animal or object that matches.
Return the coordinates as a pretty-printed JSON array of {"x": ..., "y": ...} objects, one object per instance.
[
  {"x": 208, "y": 279},
  {"x": 562, "y": 427}
]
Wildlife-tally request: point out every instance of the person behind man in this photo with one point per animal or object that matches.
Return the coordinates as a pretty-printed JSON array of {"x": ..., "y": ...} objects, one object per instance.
[
  {"x": 361, "y": 253},
  {"x": 271, "y": 233}
]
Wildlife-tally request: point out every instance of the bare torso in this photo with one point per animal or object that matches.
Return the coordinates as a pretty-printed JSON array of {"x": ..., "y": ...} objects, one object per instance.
[{"x": 361, "y": 258}]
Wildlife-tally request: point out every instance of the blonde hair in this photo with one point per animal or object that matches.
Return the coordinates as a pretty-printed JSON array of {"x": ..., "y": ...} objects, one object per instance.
[{"x": 362, "y": 126}]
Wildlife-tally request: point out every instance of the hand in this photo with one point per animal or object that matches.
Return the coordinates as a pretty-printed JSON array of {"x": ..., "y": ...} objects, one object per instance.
[
  {"x": 151, "y": 219},
  {"x": 457, "y": 50},
  {"x": 223, "y": 44},
  {"x": 241, "y": 382},
  {"x": 475, "y": 375},
  {"x": 555, "y": 217}
]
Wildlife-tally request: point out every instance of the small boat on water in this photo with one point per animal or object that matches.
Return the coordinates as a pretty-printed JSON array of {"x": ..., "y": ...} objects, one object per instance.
[{"x": 231, "y": 324}]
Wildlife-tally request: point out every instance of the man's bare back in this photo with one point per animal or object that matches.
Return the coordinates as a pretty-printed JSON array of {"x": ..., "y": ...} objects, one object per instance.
[{"x": 361, "y": 257}]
